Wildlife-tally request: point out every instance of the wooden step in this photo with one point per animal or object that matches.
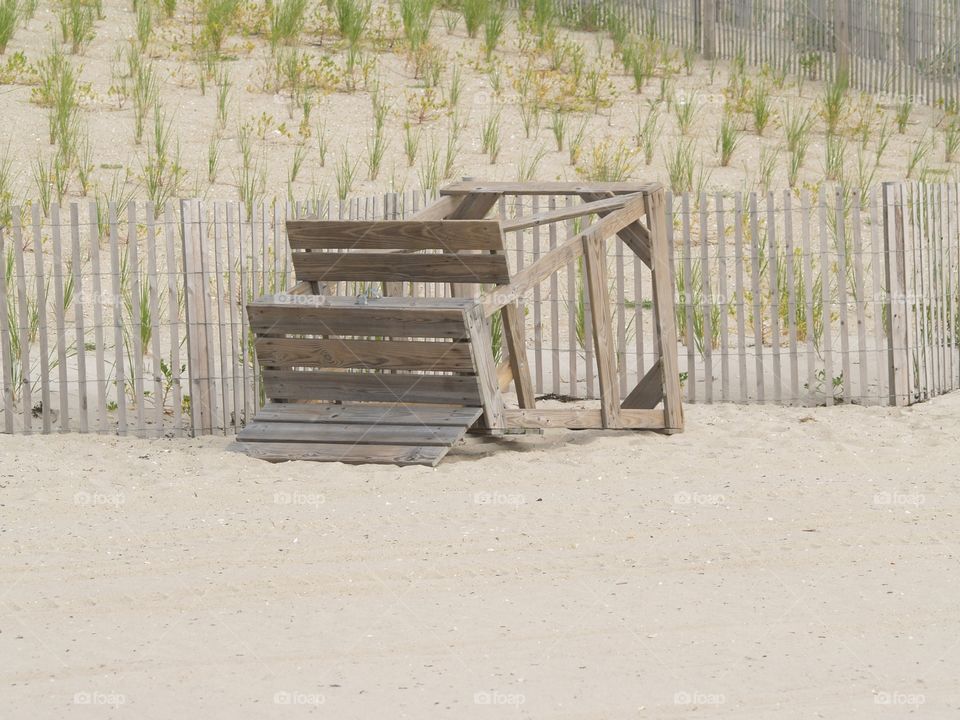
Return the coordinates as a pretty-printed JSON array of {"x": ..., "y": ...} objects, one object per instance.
[
  {"x": 368, "y": 414},
  {"x": 355, "y": 433},
  {"x": 350, "y": 454}
]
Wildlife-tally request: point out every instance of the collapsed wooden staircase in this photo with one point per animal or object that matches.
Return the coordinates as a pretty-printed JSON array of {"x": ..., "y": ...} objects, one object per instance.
[{"x": 372, "y": 379}]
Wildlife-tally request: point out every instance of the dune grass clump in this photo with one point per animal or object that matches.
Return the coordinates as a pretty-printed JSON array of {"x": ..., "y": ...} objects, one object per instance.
[
  {"x": 609, "y": 161},
  {"x": 352, "y": 17},
  {"x": 416, "y": 17},
  {"x": 727, "y": 139},
  {"x": 76, "y": 24},
  {"x": 680, "y": 166},
  {"x": 474, "y": 14},
  {"x": 490, "y": 135},
  {"x": 286, "y": 22},
  {"x": 9, "y": 18},
  {"x": 217, "y": 17}
]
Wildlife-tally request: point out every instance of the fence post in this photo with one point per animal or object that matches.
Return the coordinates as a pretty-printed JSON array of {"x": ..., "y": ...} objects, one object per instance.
[
  {"x": 708, "y": 23},
  {"x": 841, "y": 34},
  {"x": 196, "y": 320},
  {"x": 895, "y": 300}
]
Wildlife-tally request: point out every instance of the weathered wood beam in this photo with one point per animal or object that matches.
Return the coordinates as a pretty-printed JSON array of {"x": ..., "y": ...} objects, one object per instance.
[
  {"x": 547, "y": 188},
  {"x": 594, "y": 252},
  {"x": 663, "y": 304},
  {"x": 604, "y": 205},
  {"x": 635, "y": 236},
  {"x": 559, "y": 257},
  {"x": 513, "y": 327},
  {"x": 581, "y": 419}
]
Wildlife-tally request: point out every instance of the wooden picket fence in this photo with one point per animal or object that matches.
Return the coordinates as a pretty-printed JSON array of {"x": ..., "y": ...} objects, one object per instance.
[
  {"x": 904, "y": 49},
  {"x": 124, "y": 320}
]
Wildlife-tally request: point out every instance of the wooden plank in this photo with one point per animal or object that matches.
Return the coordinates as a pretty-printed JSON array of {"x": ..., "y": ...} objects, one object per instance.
[
  {"x": 707, "y": 303},
  {"x": 688, "y": 299},
  {"x": 741, "y": 296},
  {"x": 223, "y": 348},
  {"x": 808, "y": 285},
  {"x": 772, "y": 257},
  {"x": 860, "y": 299},
  {"x": 448, "y": 235},
  {"x": 554, "y": 308},
  {"x": 649, "y": 391},
  {"x": 551, "y": 216},
  {"x": 486, "y": 382},
  {"x": 153, "y": 297},
  {"x": 790, "y": 275},
  {"x": 537, "y": 311},
  {"x": 99, "y": 299},
  {"x": 381, "y": 317},
  {"x": 26, "y": 382},
  {"x": 235, "y": 304},
  {"x": 6, "y": 355},
  {"x": 583, "y": 419},
  {"x": 513, "y": 336},
  {"x": 41, "y": 290},
  {"x": 443, "y": 207},
  {"x": 349, "y": 454},
  {"x": 877, "y": 302},
  {"x": 724, "y": 300},
  {"x": 573, "y": 305},
  {"x": 80, "y": 342},
  {"x": 120, "y": 378},
  {"x": 825, "y": 299},
  {"x": 373, "y": 387},
  {"x": 595, "y": 257},
  {"x": 368, "y": 414},
  {"x": 133, "y": 270},
  {"x": 368, "y": 354},
  {"x": 621, "y": 311},
  {"x": 195, "y": 322},
  {"x": 897, "y": 309},
  {"x": 757, "y": 295},
  {"x": 393, "y": 267},
  {"x": 546, "y": 188},
  {"x": 207, "y": 330},
  {"x": 842, "y": 301},
  {"x": 173, "y": 319},
  {"x": 361, "y": 435},
  {"x": 58, "y": 310},
  {"x": 664, "y": 312}
]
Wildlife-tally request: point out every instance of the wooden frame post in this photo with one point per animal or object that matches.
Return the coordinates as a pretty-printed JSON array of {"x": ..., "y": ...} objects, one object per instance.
[
  {"x": 595, "y": 260},
  {"x": 895, "y": 302},
  {"x": 663, "y": 304}
]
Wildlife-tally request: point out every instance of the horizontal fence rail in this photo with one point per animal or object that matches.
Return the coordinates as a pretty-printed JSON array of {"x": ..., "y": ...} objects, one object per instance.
[
  {"x": 132, "y": 321},
  {"x": 902, "y": 48}
]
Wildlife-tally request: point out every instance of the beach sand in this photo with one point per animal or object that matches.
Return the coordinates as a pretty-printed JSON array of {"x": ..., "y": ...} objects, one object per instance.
[{"x": 767, "y": 563}]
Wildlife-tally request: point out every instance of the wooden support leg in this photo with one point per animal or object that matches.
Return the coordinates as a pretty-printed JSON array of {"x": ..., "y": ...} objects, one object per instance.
[
  {"x": 663, "y": 310},
  {"x": 471, "y": 207},
  {"x": 479, "y": 335},
  {"x": 596, "y": 267},
  {"x": 517, "y": 349}
]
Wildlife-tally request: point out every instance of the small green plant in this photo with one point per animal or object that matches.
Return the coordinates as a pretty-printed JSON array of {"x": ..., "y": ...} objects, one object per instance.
[
  {"x": 686, "y": 110},
  {"x": 648, "y": 132},
  {"x": 529, "y": 164},
  {"x": 411, "y": 143},
  {"x": 609, "y": 162},
  {"x": 474, "y": 12},
  {"x": 833, "y": 104},
  {"x": 768, "y": 164},
  {"x": 223, "y": 97},
  {"x": 9, "y": 18},
  {"x": 490, "y": 135},
  {"x": 145, "y": 93},
  {"x": 951, "y": 140},
  {"x": 680, "y": 164},
  {"x": 727, "y": 139},
  {"x": 902, "y": 114},
  {"x": 286, "y": 21},
  {"x": 76, "y": 24},
  {"x": 376, "y": 149},
  {"x": 345, "y": 172},
  {"x": 416, "y": 17},
  {"x": 761, "y": 107},
  {"x": 144, "y": 23},
  {"x": 213, "y": 158},
  {"x": 884, "y": 134},
  {"x": 493, "y": 27},
  {"x": 352, "y": 17},
  {"x": 558, "y": 126},
  {"x": 575, "y": 142},
  {"x": 836, "y": 149},
  {"x": 797, "y": 126},
  {"x": 217, "y": 17},
  {"x": 918, "y": 154}
]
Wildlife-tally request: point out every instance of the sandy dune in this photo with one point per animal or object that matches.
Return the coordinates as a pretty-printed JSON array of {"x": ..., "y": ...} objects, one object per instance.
[{"x": 768, "y": 563}]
